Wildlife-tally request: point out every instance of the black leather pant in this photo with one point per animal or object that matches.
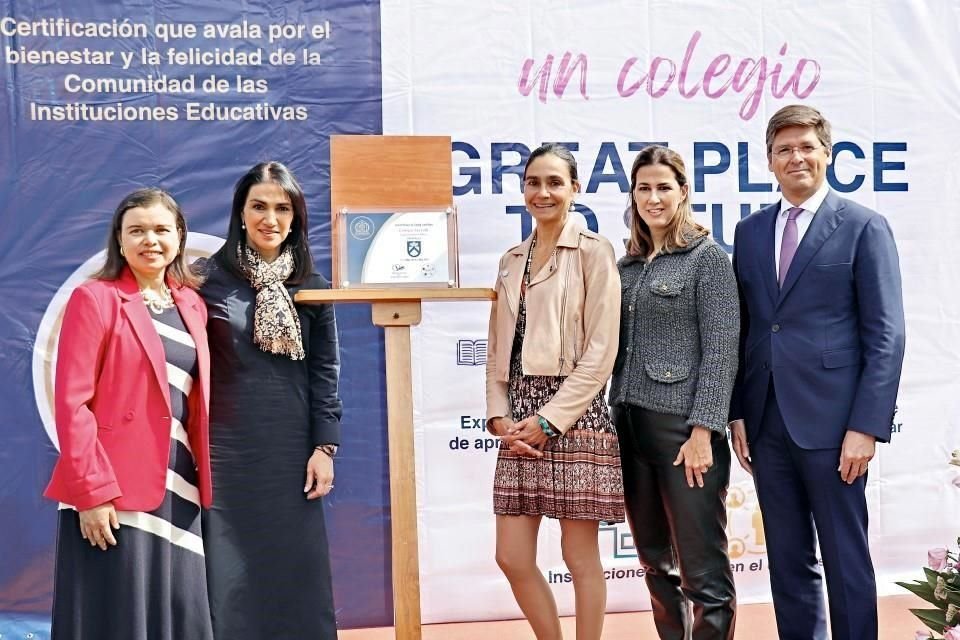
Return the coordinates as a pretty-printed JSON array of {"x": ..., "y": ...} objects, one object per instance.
[{"x": 679, "y": 532}]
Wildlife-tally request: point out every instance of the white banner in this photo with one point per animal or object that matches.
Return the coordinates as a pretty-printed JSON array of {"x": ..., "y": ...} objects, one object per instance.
[{"x": 605, "y": 78}]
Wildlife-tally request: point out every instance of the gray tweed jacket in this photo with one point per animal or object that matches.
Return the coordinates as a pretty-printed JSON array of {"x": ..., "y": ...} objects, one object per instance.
[{"x": 679, "y": 328}]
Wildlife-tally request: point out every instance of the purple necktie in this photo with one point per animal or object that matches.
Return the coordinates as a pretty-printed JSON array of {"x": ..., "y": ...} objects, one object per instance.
[{"x": 788, "y": 246}]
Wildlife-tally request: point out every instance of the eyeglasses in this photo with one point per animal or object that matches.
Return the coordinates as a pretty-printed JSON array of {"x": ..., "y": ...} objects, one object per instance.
[{"x": 782, "y": 153}]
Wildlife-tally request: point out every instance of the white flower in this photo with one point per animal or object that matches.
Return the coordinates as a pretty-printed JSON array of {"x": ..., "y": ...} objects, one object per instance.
[{"x": 940, "y": 592}]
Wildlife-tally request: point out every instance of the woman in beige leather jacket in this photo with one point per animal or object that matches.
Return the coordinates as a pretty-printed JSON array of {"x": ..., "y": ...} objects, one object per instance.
[{"x": 552, "y": 344}]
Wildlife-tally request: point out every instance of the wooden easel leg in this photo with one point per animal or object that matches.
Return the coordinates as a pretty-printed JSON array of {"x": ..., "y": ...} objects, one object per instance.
[{"x": 403, "y": 489}]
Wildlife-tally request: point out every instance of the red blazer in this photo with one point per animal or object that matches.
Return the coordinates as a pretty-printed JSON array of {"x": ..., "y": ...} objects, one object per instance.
[{"x": 112, "y": 398}]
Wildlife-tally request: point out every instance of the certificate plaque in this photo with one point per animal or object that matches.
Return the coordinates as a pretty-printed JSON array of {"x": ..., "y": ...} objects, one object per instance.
[{"x": 398, "y": 247}]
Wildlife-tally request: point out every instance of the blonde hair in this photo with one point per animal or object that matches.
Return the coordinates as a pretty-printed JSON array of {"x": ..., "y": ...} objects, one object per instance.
[{"x": 682, "y": 227}]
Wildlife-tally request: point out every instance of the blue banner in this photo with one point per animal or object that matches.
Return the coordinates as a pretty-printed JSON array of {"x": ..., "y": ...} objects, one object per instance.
[{"x": 103, "y": 97}]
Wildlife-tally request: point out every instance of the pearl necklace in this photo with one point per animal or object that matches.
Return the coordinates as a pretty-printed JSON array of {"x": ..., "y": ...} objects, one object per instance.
[{"x": 157, "y": 302}]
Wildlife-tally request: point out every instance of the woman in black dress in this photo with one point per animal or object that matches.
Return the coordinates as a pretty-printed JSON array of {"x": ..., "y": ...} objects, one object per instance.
[{"x": 274, "y": 419}]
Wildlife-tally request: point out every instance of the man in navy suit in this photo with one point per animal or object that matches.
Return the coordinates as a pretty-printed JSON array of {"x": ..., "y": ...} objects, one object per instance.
[{"x": 821, "y": 348}]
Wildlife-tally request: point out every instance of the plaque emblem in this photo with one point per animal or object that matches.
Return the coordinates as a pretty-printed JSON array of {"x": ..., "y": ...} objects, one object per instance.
[
  {"x": 361, "y": 228},
  {"x": 413, "y": 248}
]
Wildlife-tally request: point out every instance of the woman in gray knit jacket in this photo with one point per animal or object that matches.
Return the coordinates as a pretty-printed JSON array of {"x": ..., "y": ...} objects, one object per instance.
[{"x": 670, "y": 392}]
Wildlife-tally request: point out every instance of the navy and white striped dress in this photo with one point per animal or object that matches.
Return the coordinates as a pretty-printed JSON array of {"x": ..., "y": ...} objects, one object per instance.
[{"x": 152, "y": 585}]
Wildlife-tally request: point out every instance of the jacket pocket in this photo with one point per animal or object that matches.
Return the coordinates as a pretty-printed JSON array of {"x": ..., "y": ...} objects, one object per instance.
[
  {"x": 836, "y": 358},
  {"x": 666, "y": 373},
  {"x": 666, "y": 287}
]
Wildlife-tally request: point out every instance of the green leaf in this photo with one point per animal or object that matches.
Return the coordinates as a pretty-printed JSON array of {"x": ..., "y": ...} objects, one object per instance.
[
  {"x": 932, "y": 576},
  {"x": 953, "y": 597},
  {"x": 923, "y": 590},
  {"x": 933, "y": 618}
]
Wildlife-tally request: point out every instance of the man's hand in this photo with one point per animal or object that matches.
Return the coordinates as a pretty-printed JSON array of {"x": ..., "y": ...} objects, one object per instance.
[
  {"x": 856, "y": 453},
  {"x": 738, "y": 433}
]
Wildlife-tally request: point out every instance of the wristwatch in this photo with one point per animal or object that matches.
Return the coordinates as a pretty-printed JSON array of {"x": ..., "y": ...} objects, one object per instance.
[
  {"x": 546, "y": 428},
  {"x": 329, "y": 449}
]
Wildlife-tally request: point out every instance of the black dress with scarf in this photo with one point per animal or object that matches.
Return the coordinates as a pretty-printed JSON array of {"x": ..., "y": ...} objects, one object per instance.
[{"x": 268, "y": 564}]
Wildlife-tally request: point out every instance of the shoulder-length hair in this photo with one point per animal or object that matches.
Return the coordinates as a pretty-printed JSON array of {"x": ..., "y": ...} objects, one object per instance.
[
  {"x": 683, "y": 228},
  {"x": 115, "y": 263},
  {"x": 231, "y": 256}
]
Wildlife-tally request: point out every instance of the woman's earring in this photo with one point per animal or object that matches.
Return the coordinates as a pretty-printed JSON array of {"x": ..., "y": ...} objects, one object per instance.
[
  {"x": 121, "y": 252},
  {"x": 243, "y": 225},
  {"x": 573, "y": 206}
]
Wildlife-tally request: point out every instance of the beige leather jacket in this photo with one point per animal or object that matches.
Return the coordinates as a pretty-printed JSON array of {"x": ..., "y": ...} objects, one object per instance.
[{"x": 572, "y": 329}]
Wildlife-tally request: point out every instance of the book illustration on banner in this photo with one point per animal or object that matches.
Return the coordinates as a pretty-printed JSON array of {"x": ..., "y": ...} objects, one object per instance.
[
  {"x": 390, "y": 248},
  {"x": 472, "y": 353}
]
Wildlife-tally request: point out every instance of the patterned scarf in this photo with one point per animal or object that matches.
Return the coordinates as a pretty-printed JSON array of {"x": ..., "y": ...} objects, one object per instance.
[{"x": 276, "y": 326}]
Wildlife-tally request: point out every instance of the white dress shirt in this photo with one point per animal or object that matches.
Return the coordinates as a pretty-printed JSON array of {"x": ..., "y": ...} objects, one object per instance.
[{"x": 803, "y": 220}]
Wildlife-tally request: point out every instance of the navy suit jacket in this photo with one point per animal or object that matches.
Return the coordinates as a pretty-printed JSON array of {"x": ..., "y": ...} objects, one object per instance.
[{"x": 832, "y": 338}]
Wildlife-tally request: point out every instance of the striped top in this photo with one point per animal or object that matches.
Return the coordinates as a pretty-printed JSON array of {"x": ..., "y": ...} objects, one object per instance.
[{"x": 176, "y": 519}]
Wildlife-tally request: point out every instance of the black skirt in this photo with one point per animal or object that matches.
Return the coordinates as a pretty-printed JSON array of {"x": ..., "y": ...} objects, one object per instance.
[{"x": 152, "y": 585}]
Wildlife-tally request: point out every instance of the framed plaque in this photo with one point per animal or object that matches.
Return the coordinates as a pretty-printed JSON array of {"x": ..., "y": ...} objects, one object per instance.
[{"x": 398, "y": 247}]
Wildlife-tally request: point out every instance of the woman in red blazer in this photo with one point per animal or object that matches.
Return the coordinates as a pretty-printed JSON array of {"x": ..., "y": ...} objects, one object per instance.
[{"x": 131, "y": 398}]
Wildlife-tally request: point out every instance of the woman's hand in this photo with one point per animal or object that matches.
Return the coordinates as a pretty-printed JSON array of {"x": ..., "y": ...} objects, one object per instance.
[
  {"x": 96, "y": 524},
  {"x": 500, "y": 426},
  {"x": 696, "y": 455},
  {"x": 319, "y": 475},
  {"x": 526, "y": 438}
]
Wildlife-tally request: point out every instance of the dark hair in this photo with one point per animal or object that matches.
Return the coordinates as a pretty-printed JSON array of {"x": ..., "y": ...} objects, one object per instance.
[
  {"x": 799, "y": 115},
  {"x": 682, "y": 226},
  {"x": 557, "y": 150},
  {"x": 113, "y": 266},
  {"x": 231, "y": 256}
]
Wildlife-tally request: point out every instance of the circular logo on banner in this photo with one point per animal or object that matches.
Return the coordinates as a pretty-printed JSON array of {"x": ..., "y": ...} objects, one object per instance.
[
  {"x": 199, "y": 245},
  {"x": 361, "y": 228}
]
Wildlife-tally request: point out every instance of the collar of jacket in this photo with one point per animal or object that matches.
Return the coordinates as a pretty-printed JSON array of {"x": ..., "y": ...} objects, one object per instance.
[
  {"x": 569, "y": 238},
  {"x": 693, "y": 241}
]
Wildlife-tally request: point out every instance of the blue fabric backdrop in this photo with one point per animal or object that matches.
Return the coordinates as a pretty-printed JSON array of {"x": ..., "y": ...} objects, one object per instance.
[{"x": 59, "y": 185}]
